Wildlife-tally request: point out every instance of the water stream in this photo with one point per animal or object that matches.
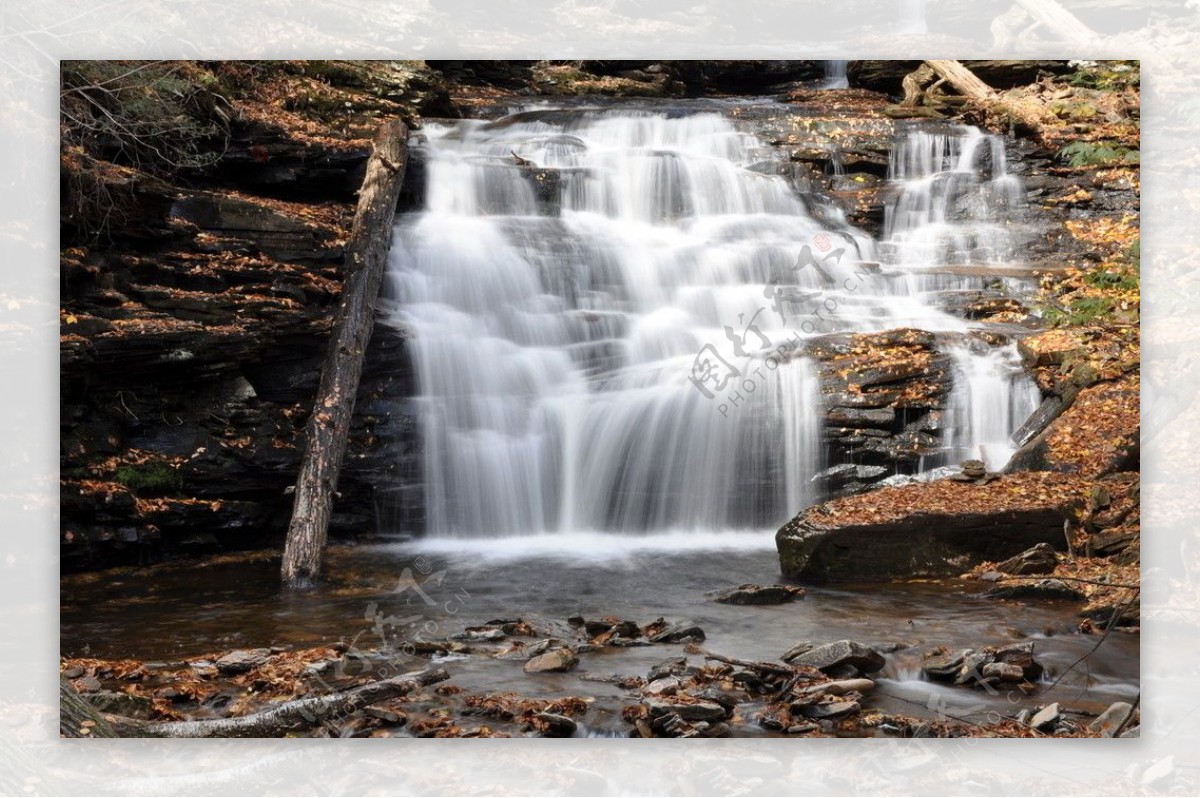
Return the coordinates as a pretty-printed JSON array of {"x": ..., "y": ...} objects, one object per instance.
[
  {"x": 585, "y": 285},
  {"x": 568, "y": 274}
]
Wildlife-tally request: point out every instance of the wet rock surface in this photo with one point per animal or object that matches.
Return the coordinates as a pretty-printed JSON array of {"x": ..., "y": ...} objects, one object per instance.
[
  {"x": 760, "y": 594},
  {"x": 921, "y": 529}
]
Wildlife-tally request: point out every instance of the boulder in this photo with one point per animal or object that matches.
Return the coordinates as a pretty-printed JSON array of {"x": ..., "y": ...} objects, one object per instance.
[
  {"x": 836, "y": 655},
  {"x": 760, "y": 594},
  {"x": 937, "y": 528},
  {"x": 557, "y": 661},
  {"x": 1048, "y": 589}
]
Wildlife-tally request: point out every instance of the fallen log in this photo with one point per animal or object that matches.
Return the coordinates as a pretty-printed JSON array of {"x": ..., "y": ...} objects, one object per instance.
[
  {"x": 329, "y": 424},
  {"x": 301, "y": 713},
  {"x": 78, "y": 718}
]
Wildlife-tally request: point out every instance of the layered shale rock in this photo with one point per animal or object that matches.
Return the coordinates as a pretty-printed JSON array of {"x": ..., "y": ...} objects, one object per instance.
[{"x": 929, "y": 529}]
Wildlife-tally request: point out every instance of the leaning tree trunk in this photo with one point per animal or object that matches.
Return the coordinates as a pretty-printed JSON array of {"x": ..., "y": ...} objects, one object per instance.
[{"x": 329, "y": 424}]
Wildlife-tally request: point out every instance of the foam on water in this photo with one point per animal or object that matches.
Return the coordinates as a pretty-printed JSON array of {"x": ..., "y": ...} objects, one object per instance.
[{"x": 571, "y": 271}]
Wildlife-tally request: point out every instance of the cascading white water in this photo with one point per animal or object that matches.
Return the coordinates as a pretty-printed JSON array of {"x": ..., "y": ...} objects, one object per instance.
[
  {"x": 992, "y": 397},
  {"x": 956, "y": 207},
  {"x": 836, "y": 75},
  {"x": 570, "y": 272},
  {"x": 956, "y": 202}
]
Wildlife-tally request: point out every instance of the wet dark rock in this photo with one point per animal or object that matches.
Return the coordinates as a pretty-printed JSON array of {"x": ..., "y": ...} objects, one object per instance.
[
  {"x": 761, "y": 594},
  {"x": 1048, "y": 589},
  {"x": 831, "y": 709},
  {"x": 557, "y": 725},
  {"x": 676, "y": 632},
  {"x": 556, "y": 661},
  {"x": 926, "y": 528},
  {"x": 388, "y": 716},
  {"x": 834, "y": 655},
  {"x": 985, "y": 666},
  {"x": 675, "y": 666},
  {"x": 125, "y": 704},
  {"x": 1040, "y": 559}
]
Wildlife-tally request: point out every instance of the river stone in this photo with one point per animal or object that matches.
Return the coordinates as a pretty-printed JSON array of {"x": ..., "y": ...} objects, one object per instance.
[
  {"x": 667, "y": 685},
  {"x": 73, "y": 672},
  {"x": 1021, "y": 655},
  {"x": 1041, "y": 559},
  {"x": 944, "y": 666},
  {"x": 1048, "y": 589},
  {"x": 560, "y": 660},
  {"x": 939, "y": 528},
  {"x": 833, "y": 709},
  {"x": 842, "y": 652},
  {"x": 1046, "y": 718},
  {"x": 673, "y": 666},
  {"x": 242, "y": 660},
  {"x": 557, "y": 725},
  {"x": 799, "y": 648},
  {"x": 1004, "y": 672},
  {"x": 698, "y": 711},
  {"x": 1110, "y": 720},
  {"x": 760, "y": 594},
  {"x": 679, "y": 632}
]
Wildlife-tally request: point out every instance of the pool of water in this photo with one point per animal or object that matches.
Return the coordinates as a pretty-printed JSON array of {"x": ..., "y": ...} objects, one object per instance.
[{"x": 180, "y": 611}]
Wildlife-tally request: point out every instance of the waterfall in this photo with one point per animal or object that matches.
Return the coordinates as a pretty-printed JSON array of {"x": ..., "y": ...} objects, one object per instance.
[
  {"x": 956, "y": 201},
  {"x": 836, "y": 76},
  {"x": 992, "y": 396},
  {"x": 605, "y": 307}
]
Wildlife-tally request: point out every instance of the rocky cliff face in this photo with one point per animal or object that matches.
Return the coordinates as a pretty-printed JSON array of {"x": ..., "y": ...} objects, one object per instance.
[
  {"x": 197, "y": 295},
  {"x": 196, "y": 303}
]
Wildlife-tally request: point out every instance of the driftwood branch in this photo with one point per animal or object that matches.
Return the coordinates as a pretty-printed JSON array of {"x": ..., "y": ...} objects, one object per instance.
[
  {"x": 938, "y": 72},
  {"x": 329, "y": 424},
  {"x": 301, "y": 713}
]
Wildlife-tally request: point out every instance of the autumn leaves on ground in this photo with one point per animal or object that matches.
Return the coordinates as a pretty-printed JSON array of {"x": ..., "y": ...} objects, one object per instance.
[{"x": 204, "y": 214}]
